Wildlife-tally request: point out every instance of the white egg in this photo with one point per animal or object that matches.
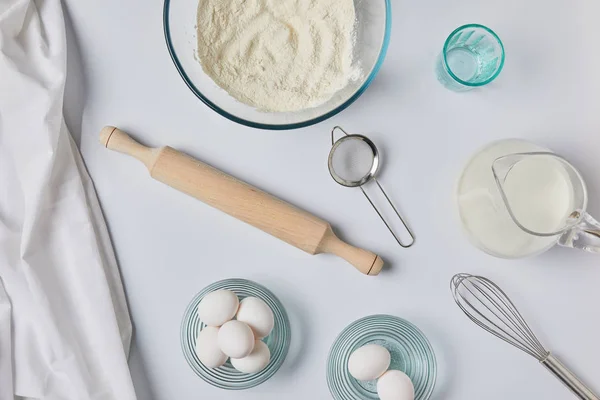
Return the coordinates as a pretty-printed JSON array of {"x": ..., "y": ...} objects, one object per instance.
[
  {"x": 395, "y": 385},
  {"x": 255, "y": 361},
  {"x": 218, "y": 307},
  {"x": 207, "y": 348},
  {"x": 258, "y": 315},
  {"x": 236, "y": 339},
  {"x": 369, "y": 362}
]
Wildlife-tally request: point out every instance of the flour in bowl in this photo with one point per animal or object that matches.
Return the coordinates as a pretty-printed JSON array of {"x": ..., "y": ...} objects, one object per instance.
[{"x": 278, "y": 55}]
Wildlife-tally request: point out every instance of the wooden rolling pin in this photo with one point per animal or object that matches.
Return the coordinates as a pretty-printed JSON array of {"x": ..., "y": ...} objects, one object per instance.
[{"x": 240, "y": 200}]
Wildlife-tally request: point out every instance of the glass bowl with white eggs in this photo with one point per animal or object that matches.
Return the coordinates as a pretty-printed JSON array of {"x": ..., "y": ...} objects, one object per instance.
[
  {"x": 235, "y": 334},
  {"x": 381, "y": 357}
]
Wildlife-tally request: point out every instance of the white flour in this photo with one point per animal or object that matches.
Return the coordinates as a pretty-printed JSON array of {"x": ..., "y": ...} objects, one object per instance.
[{"x": 278, "y": 55}]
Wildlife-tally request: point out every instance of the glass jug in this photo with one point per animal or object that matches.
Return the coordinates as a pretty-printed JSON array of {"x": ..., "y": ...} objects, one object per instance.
[{"x": 518, "y": 199}]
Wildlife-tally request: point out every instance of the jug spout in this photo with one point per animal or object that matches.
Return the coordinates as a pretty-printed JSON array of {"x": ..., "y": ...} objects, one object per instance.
[{"x": 502, "y": 165}]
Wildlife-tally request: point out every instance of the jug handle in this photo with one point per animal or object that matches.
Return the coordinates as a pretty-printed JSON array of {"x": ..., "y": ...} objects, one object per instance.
[{"x": 583, "y": 236}]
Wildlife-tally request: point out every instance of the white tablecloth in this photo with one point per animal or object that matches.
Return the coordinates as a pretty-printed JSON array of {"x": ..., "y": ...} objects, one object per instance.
[{"x": 64, "y": 324}]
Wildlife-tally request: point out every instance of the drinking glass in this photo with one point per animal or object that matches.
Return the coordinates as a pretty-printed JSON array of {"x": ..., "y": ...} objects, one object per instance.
[{"x": 473, "y": 56}]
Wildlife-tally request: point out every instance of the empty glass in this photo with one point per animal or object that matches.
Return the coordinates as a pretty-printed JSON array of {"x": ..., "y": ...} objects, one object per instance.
[{"x": 473, "y": 56}]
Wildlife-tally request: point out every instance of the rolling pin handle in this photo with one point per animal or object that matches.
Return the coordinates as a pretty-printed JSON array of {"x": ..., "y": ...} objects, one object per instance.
[
  {"x": 363, "y": 260},
  {"x": 115, "y": 139}
]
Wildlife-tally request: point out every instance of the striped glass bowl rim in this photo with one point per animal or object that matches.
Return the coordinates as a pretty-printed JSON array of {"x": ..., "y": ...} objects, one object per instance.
[{"x": 227, "y": 377}]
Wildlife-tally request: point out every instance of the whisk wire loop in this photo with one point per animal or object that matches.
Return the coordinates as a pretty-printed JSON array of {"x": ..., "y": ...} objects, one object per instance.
[
  {"x": 499, "y": 316},
  {"x": 513, "y": 318}
]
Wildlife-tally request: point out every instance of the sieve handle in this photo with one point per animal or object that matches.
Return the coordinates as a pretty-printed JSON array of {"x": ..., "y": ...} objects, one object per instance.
[
  {"x": 406, "y": 227},
  {"x": 240, "y": 200}
]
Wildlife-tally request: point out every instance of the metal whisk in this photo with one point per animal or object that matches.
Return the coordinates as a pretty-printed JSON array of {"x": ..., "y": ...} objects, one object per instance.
[{"x": 490, "y": 308}]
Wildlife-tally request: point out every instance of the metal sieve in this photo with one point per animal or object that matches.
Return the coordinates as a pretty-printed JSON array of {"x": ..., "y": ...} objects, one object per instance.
[{"x": 353, "y": 162}]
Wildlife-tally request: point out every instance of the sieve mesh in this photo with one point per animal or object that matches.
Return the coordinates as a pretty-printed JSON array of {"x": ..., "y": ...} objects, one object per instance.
[{"x": 352, "y": 160}]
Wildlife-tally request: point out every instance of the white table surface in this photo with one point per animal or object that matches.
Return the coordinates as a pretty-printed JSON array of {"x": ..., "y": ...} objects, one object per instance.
[{"x": 170, "y": 246}]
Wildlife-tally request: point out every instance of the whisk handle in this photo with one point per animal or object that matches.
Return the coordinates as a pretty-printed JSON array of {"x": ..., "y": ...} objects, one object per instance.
[{"x": 568, "y": 378}]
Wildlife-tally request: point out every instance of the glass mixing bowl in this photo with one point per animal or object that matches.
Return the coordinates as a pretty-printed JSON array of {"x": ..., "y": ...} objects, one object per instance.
[
  {"x": 227, "y": 377},
  {"x": 409, "y": 349},
  {"x": 372, "y": 36}
]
